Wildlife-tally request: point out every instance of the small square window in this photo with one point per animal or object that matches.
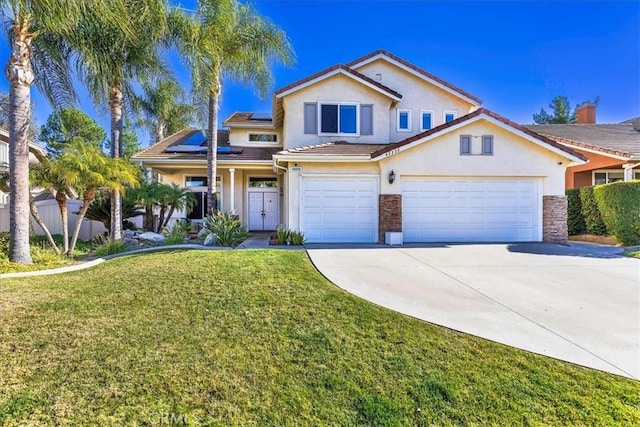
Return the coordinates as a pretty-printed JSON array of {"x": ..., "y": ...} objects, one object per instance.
[
  {"x": 426, "y": 120},
  {"x": 449, "y": 116},
  {"x": 404, "y": 120}
]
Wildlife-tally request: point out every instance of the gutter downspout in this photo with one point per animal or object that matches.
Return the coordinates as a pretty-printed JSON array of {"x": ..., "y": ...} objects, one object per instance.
[
  {"x": 628, "y": 170},
  {"x": 276, "y": 166}
]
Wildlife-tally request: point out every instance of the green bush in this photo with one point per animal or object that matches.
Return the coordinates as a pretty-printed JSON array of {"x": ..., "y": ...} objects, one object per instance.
[
  {"x": 282, "y": 236},
  {"x": 177, "y": 233},
  {"x": 296, "y": 238},
  {"x": 227, "y": 228},
  {"x": 619, "y": 205},
  {"x": 575, "y": 221},
  {"x": 110, "y": 248},
  {"x": 591, "y": 213}
]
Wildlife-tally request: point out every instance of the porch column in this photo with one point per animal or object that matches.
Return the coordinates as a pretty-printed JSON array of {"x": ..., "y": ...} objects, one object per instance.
[
  {"x": 628, "y": 170},
  {"x": 232, "y": 196}
]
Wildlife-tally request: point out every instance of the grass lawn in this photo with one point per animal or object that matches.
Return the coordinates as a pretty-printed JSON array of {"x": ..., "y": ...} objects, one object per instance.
[
  {"x": 43, "y": 256},
  {"x": 261, "y": 338}
]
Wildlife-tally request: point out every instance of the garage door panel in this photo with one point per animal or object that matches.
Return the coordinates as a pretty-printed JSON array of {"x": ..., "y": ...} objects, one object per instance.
[
  {"x": 470, "y": 210},
  {"x": 339, "y": 209}
]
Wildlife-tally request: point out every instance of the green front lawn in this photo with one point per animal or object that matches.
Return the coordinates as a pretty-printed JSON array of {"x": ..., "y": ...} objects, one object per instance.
[
  {"x": 43, "y": 256},
  {"x": 261, "y": 338},
  {"x": 634, "y": 254}
]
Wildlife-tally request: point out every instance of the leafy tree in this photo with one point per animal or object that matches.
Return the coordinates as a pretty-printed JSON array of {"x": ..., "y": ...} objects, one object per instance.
[
  {"x": 110, "y": 62},
  {"x": 561, "y": 110},
  {"x": 164, "y": 109},
  {"x": 227, "y": 39},
  {"x": 68, "y": 125},
  {"x": 129, "y": 141}
]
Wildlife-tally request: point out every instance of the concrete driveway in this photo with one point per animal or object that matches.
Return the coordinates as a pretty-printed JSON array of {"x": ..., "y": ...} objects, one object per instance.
[{"x": 580, "y": 303}]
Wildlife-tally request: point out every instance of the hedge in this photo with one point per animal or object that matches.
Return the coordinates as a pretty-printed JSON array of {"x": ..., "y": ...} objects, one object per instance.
[
  {"x": 619, "y": 205},
  {"x": 591, "y": 213},
  {"x": 575, "y": 221}
]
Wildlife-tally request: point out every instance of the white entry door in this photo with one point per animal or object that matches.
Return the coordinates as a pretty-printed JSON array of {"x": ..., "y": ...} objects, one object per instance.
[{"x": 264, "y": 213}]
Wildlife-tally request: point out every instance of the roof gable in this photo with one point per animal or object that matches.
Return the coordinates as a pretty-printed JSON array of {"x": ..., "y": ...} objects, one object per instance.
[
  {"x": 417, "y": 71},
  {"x": 480, "y": 114},
  {"x": 335, "y": 70}
]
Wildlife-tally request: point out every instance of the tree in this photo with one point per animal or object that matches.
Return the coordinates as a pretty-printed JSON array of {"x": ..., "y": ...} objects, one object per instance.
[
  {"x": 163, "y": 108},
  {"x": 38, "y": 33},
  {"x": 4, "y": 115},
  {"x": 227, "y": 39},
  {"x": 174, "y": 197},
  {"x": 110, "y": 62},
  {"x": 67, "y": 125},
  {"x": 562, "y": 113}
]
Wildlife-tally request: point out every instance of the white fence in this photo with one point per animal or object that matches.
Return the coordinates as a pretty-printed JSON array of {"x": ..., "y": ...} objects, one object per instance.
[{"x": 50, "y": 214}]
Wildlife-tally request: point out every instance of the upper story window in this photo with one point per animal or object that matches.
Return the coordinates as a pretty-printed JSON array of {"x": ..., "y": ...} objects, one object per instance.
[
  {"x": 450, "y": 116},
  {"x": 426, "y": 120},
  {"x": 338, "y": 118},
  {"x": 404, "y": 120},
  {"x": 263, "y": 137}
]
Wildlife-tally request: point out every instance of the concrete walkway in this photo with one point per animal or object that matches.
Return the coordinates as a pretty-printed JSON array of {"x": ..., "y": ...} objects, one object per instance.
[{"x": 579, "y": 304}]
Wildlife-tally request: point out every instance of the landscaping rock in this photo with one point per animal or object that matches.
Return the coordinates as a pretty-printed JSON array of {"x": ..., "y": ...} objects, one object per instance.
[
  {"x": 131, "y": 243},
  {"x": 203, "y": 232},
  {"x": 128, "y": 233},
  {"x": 152, "y": 237},
  {"x": 210, "y": 240}
]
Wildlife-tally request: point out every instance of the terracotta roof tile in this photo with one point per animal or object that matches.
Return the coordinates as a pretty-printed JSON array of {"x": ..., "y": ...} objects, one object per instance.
[
  {"x": 416, "y": 69},
  {"x": 617, "y": 139},
  {"x": 341, "y": 148}
]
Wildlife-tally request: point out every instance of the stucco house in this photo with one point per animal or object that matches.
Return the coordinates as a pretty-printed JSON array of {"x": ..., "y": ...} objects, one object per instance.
[
  {"x": 373, "y": 146},
  {"x": 613, "y": 150}
]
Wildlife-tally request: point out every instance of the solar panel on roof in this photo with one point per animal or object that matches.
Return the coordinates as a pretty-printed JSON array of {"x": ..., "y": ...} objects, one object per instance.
[
  {"x": 196, "y": 139},
  {"x": 194, "y": 149},
  {"x": 261, "y": 116}
]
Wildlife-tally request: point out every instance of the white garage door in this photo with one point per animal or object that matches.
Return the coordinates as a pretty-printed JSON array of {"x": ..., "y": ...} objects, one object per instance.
[
  {"x": 339, "y": 209},
  {"x": 471, "y": 210}
]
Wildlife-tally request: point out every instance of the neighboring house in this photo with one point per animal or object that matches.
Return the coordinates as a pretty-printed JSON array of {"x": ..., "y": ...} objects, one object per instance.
[
  {"x": 613, "y": 150},
  {"x": 4, "y": 161},
  {"x": 379, "y": 145}
]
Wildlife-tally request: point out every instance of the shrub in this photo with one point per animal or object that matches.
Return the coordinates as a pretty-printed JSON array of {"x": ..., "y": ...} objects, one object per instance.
[
  {"x": 227, "y": 228},
  {"x": 575, "y": 221},
  {"x": 296, "y": 238},
  {"x": 282, "y": 236},
  {"x": 177, "y": 233},
  {"x": 619, "y": 205},
  {"x": 591, "y": 213},
  {"x": 110, "y": 248}
]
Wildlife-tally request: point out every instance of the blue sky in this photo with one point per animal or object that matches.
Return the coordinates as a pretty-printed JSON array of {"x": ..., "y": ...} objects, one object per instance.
[{"x": 515, "y": 56}]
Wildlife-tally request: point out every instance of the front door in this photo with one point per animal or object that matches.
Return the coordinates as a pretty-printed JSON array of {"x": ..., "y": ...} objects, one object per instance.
[{"x": 263, "y": 210}]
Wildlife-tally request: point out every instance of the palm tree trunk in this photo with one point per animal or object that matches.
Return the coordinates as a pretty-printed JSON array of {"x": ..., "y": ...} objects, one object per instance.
[
  {"x": 40, "y": 222},
  {"x": 61, "y": 199},
  {"x": 116, "y": 100},
  {"x": 212, "y": 146},
  {"x": 163, "y": 210},
  {"x": 160, "y": 130},
  {"x": 88, "y": 197},
  {"x": 168, "y": 218},
  {"x": 20, "y": 76}
]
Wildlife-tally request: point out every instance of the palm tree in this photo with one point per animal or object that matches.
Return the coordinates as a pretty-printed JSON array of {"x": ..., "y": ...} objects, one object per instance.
[
  {"x": 97, "y": 172},
  {"x": 174, "y": 197},
  {"x": 163, "y": 108},
  {"x": 39, "y": 30},
  {"x": 227, "y": 39},
  {"x": 110, "y": 62}
]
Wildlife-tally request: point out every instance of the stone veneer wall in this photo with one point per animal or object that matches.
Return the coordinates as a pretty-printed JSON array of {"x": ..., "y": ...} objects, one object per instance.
[
  {"x": 554, "y": 219},
  {"x": 389, "y": 214}
]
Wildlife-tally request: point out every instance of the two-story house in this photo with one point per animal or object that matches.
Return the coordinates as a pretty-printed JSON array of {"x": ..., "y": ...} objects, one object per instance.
[{"x": 378, "y": 145}]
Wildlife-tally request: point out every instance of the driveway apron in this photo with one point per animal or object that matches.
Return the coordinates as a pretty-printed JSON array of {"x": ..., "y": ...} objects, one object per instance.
[{"x": 579, "y": 304}]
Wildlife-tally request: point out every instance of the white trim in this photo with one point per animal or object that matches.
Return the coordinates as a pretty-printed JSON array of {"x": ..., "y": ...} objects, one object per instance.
[
  {"x": 444, "y": 115},
  {"x": 398, "y": 128},
  {"x": 608, "y": 171},
  {"x": 339, "y": 104},
  {"x": 415, "y": 73},
  {"x": 490, "y": 120},
  {"x": 232, "y": 176},
  {"x": 331, "y": 74},
  {"x": 422, "y": 113},
  {"x": 322, "y": 158}
]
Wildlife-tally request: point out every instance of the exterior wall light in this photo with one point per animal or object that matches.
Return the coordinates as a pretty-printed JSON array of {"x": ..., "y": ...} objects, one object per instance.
[{"x": 392, "y": 176}]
